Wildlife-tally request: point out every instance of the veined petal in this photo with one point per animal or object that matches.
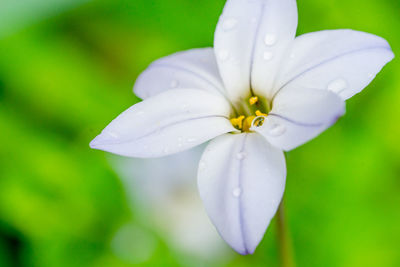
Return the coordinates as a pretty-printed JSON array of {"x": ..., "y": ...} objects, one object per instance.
[
  {"x": 342, "y": 61},
  {"x": 250, "y": 41},
  {"x": 241, "y": 181},
  {"x": 167, "y": 123},
  {"x": 196, "y": 68},
  {"x": 300, "y": 114}
]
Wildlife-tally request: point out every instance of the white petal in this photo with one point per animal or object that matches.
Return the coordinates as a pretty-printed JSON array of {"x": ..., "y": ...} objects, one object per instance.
[
  {"x": 167, "y": 123},
  {"x": 343, "y": 61},
  {"x": 241, "y": 181},
  {"x": 300, "y": 114},
  {"x": 250, "y": 41},
  {"x": 196, "y": 68}
]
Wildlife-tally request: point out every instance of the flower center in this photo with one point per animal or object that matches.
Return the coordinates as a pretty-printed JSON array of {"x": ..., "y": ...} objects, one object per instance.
[{"x": 254, "y": 115}]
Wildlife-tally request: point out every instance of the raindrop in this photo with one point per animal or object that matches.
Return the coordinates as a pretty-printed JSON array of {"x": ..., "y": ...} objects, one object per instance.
[
  {"x": 229, "y": 24},
  {"x": 223, "y": 55},
  {"x": 237, "y": 192},
  {"x": 185, "y": 107},
  {"x": 270, "y": 39},
  {"x": 241, "y": 155},
  {"x": 337, "y": 86},
  {"x": 277, "y": 130},
  {"x": 112, "y": 134},
  {"x": 174, "y": 84},
  {"x": 257, "y": 122},
  {"x": 268, "y": 55},
  {"x": 202, "y": 166},
  {"x": 191, "y": 140}
]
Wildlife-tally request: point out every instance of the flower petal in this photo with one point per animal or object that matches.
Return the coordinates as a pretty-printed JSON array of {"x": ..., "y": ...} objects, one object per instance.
[
  {"x": 167, "y": 123},
  {"x": 343, "y": 61},
  {"x": 250, "y": 41},
  {"x": 300, "y": 114},
  {"x": 196, "y": 68},
  {"x": 241, "y": 180}
]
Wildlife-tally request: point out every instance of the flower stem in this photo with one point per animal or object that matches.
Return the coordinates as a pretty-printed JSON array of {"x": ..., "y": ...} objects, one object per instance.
[{"x": 284, "y": 240}]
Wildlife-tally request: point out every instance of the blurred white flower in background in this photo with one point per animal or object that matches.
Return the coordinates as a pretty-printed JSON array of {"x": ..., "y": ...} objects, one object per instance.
[{"x": 164, "y": 192}]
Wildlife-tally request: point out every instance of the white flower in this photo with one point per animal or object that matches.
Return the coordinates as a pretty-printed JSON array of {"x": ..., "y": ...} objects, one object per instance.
[{"x": 260, "y": 91}]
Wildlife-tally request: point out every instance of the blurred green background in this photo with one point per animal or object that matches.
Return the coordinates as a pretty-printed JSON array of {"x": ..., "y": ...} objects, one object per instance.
[{"x": 66, "y": 70}]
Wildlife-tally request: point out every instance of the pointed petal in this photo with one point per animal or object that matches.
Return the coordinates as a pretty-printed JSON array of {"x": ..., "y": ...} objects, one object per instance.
[
  {"x": 250, "y": 41},
  {"x": 167, "y": 123},
  {"x": 299, "y": 115},
  {"x": 241, "y": 180},
  {"x": 196, "y": 69},
  {"x": 343, "y": 61}
]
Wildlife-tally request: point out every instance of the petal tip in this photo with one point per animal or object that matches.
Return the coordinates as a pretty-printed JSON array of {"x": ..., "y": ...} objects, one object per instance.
[{"x": 104, "y": 138}]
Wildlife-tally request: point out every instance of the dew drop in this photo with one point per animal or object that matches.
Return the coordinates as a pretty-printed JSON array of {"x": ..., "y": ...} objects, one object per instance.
[
  {"x": 237, "y": 192},
  {"x": 257, "y": 122},
  {"x": 111, "y": 134},
  {"x": 267, "y": 55},
  {"x": 191, "y": 140},
  {"x": 241, "y": 155},
  {"x": 277, "y": 130},
  {"x": 337, "y": 86},
  {"x": 202, "y": 166},
  {"x": 223, "y": 55},
  {"x": 270, "y": 39},
  {"x": 185, "y": 107},
  {"x": 174, "y": 84},
  {"x": 229, "y": 24}
]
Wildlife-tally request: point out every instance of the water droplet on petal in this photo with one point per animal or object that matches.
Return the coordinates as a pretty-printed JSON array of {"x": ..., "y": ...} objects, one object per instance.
[
  {"x": 112, "y": 135},
  {"x": 277, "y": 130},
  {"x": 241, "y": 155},
  {"x": 337, "y": 86},
  {"x": 202, "y": 166},
  {"x": 237, "y": 192},
  {"x": 191, "y": 140},
  {"x": 270, "y": 39},
  {"x": 174, "y": 84},
  {"x": 223, "y": 54},
  {"x": 268, "y": 55},
  {"x": 229, "y": 24},
  {"x": 185, "y": 107},
  {"x": 257, "y": 122}
]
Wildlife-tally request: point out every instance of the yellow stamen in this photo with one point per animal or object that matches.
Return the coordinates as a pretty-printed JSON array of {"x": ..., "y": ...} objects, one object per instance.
[
  {"x": 253, "y": 100},
  {"x": 259, "y": 113},
  {"x": 238, "y": 122},
  {"x": 247, "y": 123}
]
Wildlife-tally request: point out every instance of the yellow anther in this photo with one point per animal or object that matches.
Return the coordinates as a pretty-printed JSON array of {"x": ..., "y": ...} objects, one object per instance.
[
  {"x": 247, "y": 123},
  {"x": 253, "y": 100},
  {"x": 259, "y": 113},
  {"x": 238, "y": 122}
]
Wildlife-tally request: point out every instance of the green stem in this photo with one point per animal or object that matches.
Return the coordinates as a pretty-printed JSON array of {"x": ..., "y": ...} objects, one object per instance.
[{"x": 284, "y": 240}]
